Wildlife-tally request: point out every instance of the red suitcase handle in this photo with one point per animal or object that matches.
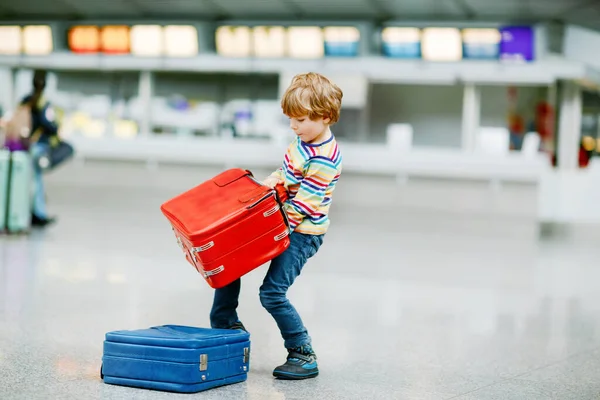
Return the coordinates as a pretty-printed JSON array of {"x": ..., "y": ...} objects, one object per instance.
[
  {"x": 281, "y": 192},
  {"x": 281, "y": 195}
]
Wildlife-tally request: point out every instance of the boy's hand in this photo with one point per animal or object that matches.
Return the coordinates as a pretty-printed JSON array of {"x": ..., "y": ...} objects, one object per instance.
[{"x": 272, "y": 181}]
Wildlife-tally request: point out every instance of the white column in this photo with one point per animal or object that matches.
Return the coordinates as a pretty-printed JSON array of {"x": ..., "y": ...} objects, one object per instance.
[
  {"x": 569, "y": 127},
  {"x": 471, "y": 116},
  {"x": 399, "y": 141},
  {"x": 22, "y": 84},
  {"x": 7, "y": 96},
  {"x": 549, "y": 146},
  {"x": 145, "y": 93},
  {"x": 365, "y": 117}
]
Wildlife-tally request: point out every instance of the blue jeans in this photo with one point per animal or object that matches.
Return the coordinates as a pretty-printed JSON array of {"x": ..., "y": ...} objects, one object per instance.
[
  {"x": 282, "y": 272},
  {"x": 39, "y": 195}
]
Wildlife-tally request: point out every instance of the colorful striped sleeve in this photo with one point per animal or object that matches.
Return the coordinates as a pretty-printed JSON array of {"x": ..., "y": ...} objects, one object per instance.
[{"x": 320, "y": 174}]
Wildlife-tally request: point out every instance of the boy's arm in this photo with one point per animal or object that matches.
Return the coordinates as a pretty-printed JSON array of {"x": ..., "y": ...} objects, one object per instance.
[
  {"x": 320, "y": 173},
  {"x": 275, "y": 178},
  {"x": 278, "y": 173}
]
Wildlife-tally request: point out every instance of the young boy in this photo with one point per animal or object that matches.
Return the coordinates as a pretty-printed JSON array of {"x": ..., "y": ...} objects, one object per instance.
[{"x": 310, "y": 171}]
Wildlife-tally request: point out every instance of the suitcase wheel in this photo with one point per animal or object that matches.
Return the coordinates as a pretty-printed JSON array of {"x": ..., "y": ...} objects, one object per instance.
[{"x": 101, "y": 373}]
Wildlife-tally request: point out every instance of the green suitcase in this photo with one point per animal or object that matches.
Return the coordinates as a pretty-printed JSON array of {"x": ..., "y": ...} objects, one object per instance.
[
  {"x": 15, "y": 191},
  {"x": 4, "y": 189}
]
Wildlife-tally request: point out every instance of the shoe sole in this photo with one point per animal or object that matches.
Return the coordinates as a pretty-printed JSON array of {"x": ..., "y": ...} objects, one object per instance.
[{"x": 295, "y": 377}]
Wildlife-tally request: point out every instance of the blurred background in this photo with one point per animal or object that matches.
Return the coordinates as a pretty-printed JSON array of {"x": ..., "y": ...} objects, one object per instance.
[
  {"x": 470, "y": 132},
  {"x": 457, "y": 89}
]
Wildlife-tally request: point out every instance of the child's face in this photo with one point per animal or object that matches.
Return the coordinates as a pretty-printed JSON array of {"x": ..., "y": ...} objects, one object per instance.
[{"x": 309, "y": 130}]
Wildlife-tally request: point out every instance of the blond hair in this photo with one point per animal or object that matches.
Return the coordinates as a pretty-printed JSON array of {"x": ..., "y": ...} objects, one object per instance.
[{"x": 313, "y": 95}]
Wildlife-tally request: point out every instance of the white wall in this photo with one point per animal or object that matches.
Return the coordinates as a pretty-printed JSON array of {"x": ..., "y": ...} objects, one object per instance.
[
  {"x": 209, "y": 87},
  {"x": 113, "y": 84},
  {"x": 494, "y": 104},
  {"x": 581, "y": 44},
  {"x": 6, "y": 94},
  {"x": 217, "y": 87},
  {"x": 435, "y": 112},
  {"x": 23, "y": 83}
]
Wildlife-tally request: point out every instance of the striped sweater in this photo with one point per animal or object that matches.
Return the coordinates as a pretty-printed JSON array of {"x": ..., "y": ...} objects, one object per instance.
[{"x": 310, "y": 173}]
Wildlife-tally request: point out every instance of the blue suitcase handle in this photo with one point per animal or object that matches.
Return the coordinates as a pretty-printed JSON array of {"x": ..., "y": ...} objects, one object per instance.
[{"x": 172, "y": 331}]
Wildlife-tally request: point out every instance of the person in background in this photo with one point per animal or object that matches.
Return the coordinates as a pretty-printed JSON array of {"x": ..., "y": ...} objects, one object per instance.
[
  {"x": 587, "y": 145},
  {"x": 44, "y": 134},
  {"x": 16, "y": 129}
]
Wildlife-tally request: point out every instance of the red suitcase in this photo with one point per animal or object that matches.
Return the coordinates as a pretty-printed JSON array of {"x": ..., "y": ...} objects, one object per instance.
[{"x": 229, "y": 225}]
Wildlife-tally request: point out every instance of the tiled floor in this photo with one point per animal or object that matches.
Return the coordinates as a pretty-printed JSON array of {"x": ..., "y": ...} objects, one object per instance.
[{"x": 429, "y": 300}]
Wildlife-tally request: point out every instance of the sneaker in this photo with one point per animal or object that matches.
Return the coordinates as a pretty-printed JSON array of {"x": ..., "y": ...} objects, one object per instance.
[
  {"x": 238, "y": 325},
  {"x": 41, "y": 222},
  {"x": 301, "y": 364}
]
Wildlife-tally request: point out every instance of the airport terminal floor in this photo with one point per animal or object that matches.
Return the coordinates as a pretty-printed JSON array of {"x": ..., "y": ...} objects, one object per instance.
[{"x": 417, "y": 299}]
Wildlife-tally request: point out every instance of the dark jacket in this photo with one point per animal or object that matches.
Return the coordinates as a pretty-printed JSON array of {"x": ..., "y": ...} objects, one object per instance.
[{"x": 43, "y": 121}]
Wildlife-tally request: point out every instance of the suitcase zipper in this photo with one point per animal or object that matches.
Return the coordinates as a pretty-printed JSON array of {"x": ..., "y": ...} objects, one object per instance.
[
  {"x": 204, "y": 247},
  {"x": 214, "y": 271},
  {"x": 271, "y": 211},
  {"x": 281, "y": 236},
  {"x": 194, "y": 250},
  {"x": 273, "y": 192},
  {"x": 283, "y": 213},
  {"x": 257, "y": 202}
]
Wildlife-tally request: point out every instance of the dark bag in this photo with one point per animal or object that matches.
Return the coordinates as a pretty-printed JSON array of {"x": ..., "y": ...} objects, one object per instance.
[{"x": 55, "y": 156}]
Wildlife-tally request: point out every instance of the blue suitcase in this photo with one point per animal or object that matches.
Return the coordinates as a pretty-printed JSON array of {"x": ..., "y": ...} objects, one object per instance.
[{"x": 176, "y": 358}]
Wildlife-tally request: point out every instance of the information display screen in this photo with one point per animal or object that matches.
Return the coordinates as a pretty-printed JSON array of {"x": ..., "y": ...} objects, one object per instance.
[
  {"x": 181, "y": 41},
  {"x": 146, "y": 40},
  {"x": 233, "y": 41},
  {"x": 305, "y": 42},
  {"x": 517, "y": 43},
  {"x": 37, "y": 40},
  {"x": 268, "y": 41},
  {"x": 115, "y": 39},
  {"x": 481, "y": 43},
  {"x": 441, "y": 44},
  {"x": 10, "y": 40},
  {"x": 341, "y": 41},
  {"x": 84, "y": 39},
  {"x": 401, "y": 42}
]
